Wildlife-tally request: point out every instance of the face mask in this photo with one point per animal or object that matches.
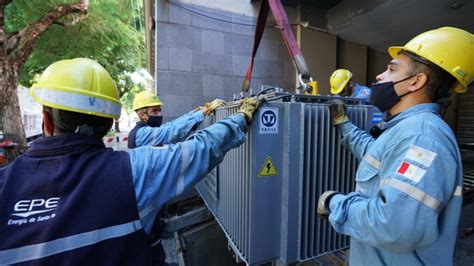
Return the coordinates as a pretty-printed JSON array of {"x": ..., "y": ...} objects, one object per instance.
[
  {"x": 154, "y": 120},
  {"x": 384, "y": 95},
  {"x": 346, "y": 92}
]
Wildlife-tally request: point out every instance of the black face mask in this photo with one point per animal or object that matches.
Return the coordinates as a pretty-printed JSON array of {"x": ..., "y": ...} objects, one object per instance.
[
  {"x": 154, "y": 120},
  {"x": 346, "y": 92},
  {"x": 384, "y": 95}
]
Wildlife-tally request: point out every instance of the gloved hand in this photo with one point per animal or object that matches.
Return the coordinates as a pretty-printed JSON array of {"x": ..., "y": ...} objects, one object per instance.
[
  {"x": 248, "y": 106},
  {"x": 323, "y": 204},
  {"x": 338, "y": 111},
  {"x": 212, "y": 106}
]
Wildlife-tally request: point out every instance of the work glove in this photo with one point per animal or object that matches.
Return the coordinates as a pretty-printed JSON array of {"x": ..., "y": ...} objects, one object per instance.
[
  {"x": 210, "y": 107},
  {"x": 323, "y": 204},
  {"x": 248, "y": 106},
  {"x": 338, "y": 111}
]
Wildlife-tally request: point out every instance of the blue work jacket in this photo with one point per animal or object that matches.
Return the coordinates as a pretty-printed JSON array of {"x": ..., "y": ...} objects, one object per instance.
[
  {"x": 89, "y": 205},
  {"x": 408, "y": 198},
  {"x": 171, "y": 132},
  {"x": 362, "y": 92},
  {"x": 162, "y": 173}
]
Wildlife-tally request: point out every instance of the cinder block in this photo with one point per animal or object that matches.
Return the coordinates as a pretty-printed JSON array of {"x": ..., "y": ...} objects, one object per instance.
[
  {"x": 238, "y": 45},
  {"x": 162, "y": 55},
  {"x": 162, "y": 31},
  {"x": 213, "y": 42},
  {"x": 180, "y": 59},
  {"x": 240, "y": 65},
  {"x": 244, "y": 25},
  {"x": 212, "y": 63},
  {"x": 213, "y": 86},
  {"x": 268, "y": 68},
  {"x": 212, "y": 24},
  {"x": 161, "y": 11},
  {"x": 232, "y": 85},
  {"x": 179, "y": 15},
  {"x": 256, "y": 83},
  {"x": 178, "y": 36},
  {"x": 268, "y": 50},
  {"x": 179, "y": 83},
  {"x": 175, "y": 105}
]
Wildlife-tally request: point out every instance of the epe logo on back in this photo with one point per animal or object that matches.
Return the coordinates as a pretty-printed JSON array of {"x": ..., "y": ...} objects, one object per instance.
[{"x": 26, "y": 208}]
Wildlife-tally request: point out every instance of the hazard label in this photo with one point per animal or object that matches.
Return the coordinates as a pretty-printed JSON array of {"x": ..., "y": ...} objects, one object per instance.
[{"x": 268, "y": 168}]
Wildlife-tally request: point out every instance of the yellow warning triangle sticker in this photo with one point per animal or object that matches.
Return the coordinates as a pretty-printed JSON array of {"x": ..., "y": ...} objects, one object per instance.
[{"x": 268, "y": 168}]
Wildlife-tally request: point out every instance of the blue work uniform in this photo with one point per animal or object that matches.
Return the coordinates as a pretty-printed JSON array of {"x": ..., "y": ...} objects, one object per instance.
[
  {"x": 408, "y": 197},
  {"x": 171, "y": 132},
  {"x": 103, "y": 201},
  {"x": 144, "y": 135},
  {"x": 361, "y": 92}
]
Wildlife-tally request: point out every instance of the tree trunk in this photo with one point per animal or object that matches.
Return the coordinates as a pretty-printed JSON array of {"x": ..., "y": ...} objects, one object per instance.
[
  {"x": 14, "y": 51},
  {"x": 11, "y": 123},
  {"x": 117, "y": 126}
]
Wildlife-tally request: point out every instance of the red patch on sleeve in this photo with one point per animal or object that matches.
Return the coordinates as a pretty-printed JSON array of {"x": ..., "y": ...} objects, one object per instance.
[{"x": 403, "y": 168}]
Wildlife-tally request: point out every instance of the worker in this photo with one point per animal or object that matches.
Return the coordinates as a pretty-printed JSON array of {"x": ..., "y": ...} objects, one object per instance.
[
  {"x": 149, "y": 131},
  {"x": 342, "y": 85},
  {"x": 70, "y": 201},
  {"x": 407, "y": 202}
]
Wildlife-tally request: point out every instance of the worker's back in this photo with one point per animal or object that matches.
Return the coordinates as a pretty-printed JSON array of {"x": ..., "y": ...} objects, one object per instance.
[{"x": 70, "y": 201}]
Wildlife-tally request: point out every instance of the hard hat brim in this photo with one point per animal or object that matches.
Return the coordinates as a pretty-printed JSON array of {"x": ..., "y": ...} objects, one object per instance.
[
  {"x": 394, "y": 50},
  {"x": 147, "y": 105},
  {"x": 85, "y": 103}
]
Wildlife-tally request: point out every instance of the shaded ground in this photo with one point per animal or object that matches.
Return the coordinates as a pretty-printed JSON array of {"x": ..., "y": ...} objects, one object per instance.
[{"x": 465, "y": 246}]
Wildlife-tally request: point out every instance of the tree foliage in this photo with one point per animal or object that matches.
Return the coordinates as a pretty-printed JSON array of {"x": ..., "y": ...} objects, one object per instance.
[
  {"x": 107, "y": 34},
  {"x": 127, "y": 98}
]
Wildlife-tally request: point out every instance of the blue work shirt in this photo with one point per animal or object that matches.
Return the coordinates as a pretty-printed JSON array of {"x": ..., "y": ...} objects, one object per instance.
[
  {"x": 361, "y": 92},
  {"x": 161, "y": 173},
  {"x": 171, "y": 132},
  {"x": 408, "y": 198}
]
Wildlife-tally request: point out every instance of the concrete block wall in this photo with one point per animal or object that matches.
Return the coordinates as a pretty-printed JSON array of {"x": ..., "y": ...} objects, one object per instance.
[{"x": 199, "y": 58}]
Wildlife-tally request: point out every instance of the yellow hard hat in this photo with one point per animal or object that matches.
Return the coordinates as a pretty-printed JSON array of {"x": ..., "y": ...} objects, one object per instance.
[
  {"x": 452, "y": 49},
  {"x": 146, "y": 99},
  {"x": 339, "y": 80},
  {"x": 78, "y": 85}
]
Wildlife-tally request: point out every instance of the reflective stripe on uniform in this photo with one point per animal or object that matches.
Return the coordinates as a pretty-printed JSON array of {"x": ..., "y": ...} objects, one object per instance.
[
  {"x": 372, "y": 161},
  {"x": 41, "y": 250},
  {"x": 147, "y": 210},
  {"x": 458, "y": 191},
  {"x": 81, "y": 102},
  {"x": 184, "y": 167},
  {"x": 414, "y": 192}
]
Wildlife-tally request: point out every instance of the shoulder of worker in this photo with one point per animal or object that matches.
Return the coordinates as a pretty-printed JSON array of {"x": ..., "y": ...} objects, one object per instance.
[
  {"x": 419, "y": 126},
  {"x": 358, "y": 85},
  {"x": 422, "y": 119}
]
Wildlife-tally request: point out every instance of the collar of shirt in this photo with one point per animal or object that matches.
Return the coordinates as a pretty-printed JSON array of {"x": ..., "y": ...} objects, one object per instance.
[
  {"x": 63, "y": 144},
  {"x": 419, "y": 108}
]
